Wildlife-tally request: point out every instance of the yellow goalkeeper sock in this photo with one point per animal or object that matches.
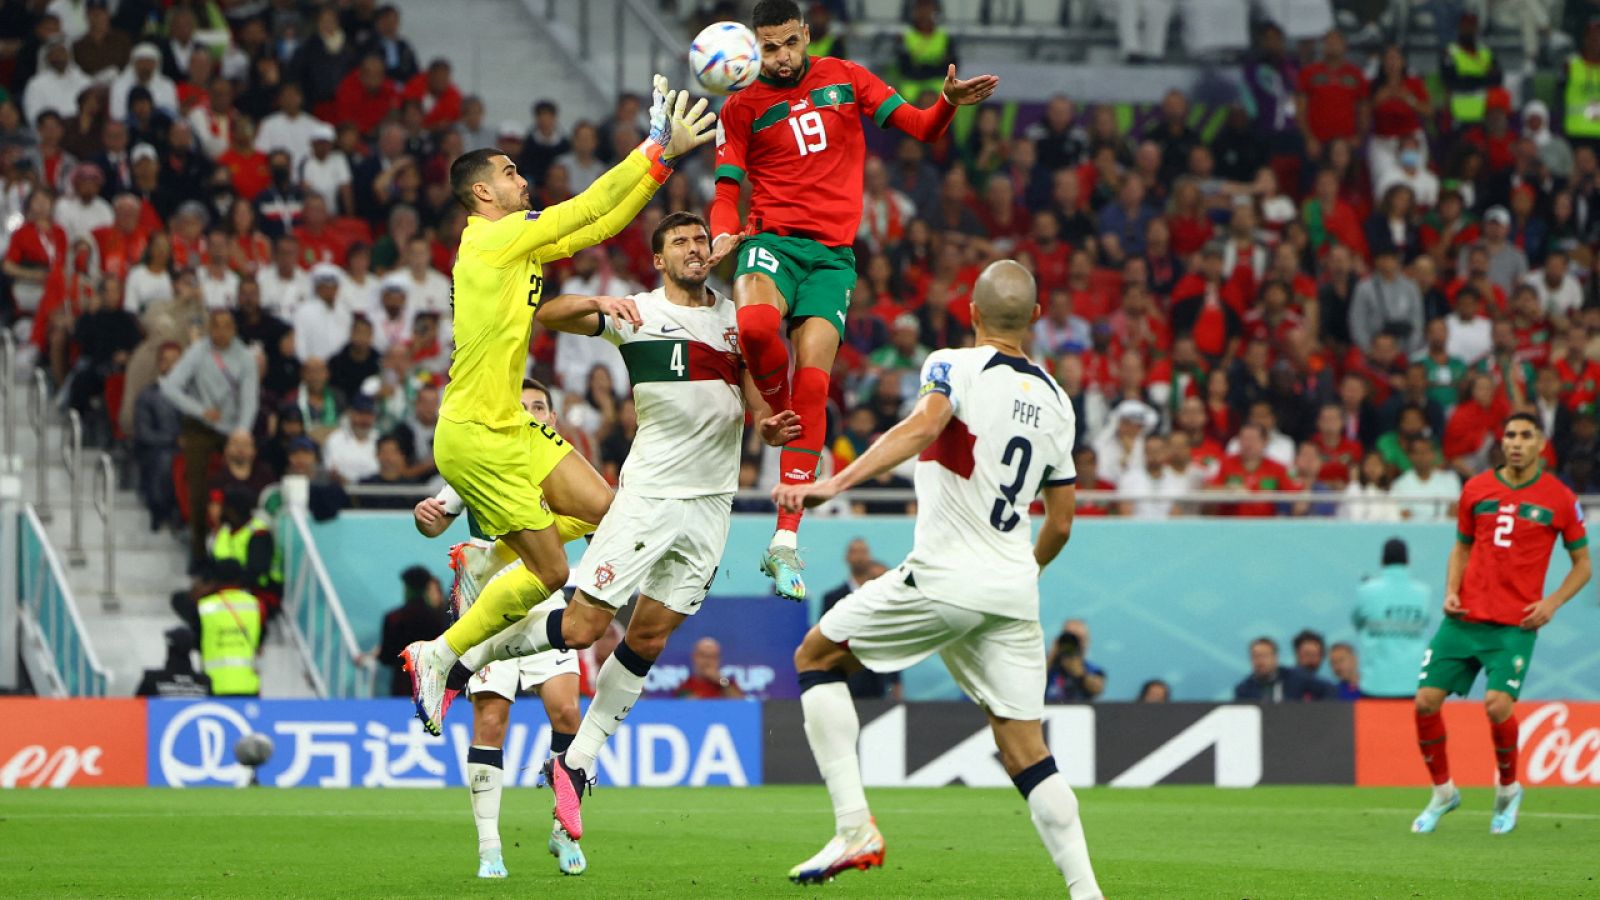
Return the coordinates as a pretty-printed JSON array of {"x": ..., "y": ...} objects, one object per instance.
[
  {"x": 570, "y": 528},
  {"x": 505, "y": 600}
]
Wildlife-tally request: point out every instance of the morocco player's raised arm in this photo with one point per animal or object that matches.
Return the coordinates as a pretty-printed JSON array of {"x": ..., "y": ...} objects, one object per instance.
[
  {"x": 884, "y": 105},
  {"x": 600, "y": 212},
  {"x": 733, "y": 138}
]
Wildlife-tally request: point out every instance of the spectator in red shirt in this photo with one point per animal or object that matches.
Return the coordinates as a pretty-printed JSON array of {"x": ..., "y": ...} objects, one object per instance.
[
  {"x": 1474, "y": 426},
  {"x": 1333, "y": 100},
  {"x": 366, "y": 96},
  {"x": 248, "y": 166},
  {"x": 1200, "y": 310},
  {"x": 1531, "y": 327},
  {"x": 1250, "y": 470},
  {"x": 1330, "y": 220},
  {"x": 1194, "y": 424},
  {"x": 1271, "y": 320},
  {"x": 38, "y": 247},
  {"x": 1494, "y": 136},
  {"x": 1187, "y": 221},
  {"x": 706, "y": 681},
  {"x": 1052, "y": 257},
  {"x": 122, "y": 242},
  {"x": 318, "y": 242},
  {"x": 438, "y": 95},
  {"x": 1580, "y": 375},
  {"x": 1447, "y": 229},
  {"x": 1137, "y": 327},
  {"x": 1340, "y": 453},
  {"x": 1400, "y": 108},
  {"x": 1004, "y": 220},
  {"x": 1087, "y": 463}
]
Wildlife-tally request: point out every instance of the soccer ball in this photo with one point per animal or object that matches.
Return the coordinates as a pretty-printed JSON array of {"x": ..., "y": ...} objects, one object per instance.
[
  {"x": 254, "y": 749},
  {"x": 724, "y": 58}
]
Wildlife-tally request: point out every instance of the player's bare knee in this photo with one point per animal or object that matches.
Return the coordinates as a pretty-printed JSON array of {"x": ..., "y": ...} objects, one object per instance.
[
  {"x": 552, "y": 573},
  {"x": 565, "y": 718},
  {"x": 1498, "y": 706},
  {"x": 817, "y": 653},
  {"x": 1428, "y": 702}
]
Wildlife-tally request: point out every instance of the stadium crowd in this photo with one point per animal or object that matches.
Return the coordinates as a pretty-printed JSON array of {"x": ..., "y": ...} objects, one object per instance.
[{"x": 228, "y": 235}]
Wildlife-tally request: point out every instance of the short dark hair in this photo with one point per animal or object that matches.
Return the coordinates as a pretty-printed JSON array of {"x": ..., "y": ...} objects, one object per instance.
[
  {"x": 469, "y": 169},
  {"x": 775, "y": 12},
  {"x": 679, "y": 219},
  {"x": 1528, "y": 417},
  {"x": 545, "y": 106},
  {"x": 534, "y": 384},
  {"x": 1308, "y": 636},
  {"x": 1265, "y": 640}
]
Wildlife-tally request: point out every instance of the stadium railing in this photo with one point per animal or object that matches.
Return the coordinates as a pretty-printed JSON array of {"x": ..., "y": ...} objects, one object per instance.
[
  {"x": 55, "y": 645},
  {"x": 317, "y": 623},
  {"x": 1189, "y": 499}
]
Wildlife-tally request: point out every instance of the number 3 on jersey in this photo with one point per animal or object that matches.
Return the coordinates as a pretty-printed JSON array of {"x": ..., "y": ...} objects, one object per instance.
[
  {"x": 1004, "y": 515},
  {"x": 809, "y": 135}
]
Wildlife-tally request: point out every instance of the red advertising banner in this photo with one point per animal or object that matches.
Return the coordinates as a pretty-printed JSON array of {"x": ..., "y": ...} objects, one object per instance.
[
  {"x": 1560, "y": 744},
  {"x": 57, "y": 743}
]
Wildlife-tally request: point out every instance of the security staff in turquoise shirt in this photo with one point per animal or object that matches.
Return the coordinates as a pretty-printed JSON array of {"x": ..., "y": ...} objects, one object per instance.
[{"x": 1391, "y": 619}]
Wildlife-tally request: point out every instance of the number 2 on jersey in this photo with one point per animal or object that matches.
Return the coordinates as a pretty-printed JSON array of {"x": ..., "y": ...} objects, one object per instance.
[
  {"x": 1503, "y": 525},
  {"x": 807, "y": 127},
  {"x": 1004, "y": 515}
]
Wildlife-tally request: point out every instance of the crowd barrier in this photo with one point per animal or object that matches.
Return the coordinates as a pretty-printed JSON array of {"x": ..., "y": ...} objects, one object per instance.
[
  {"x": 665, "y": 743},
  {"x": 1178, "y": 600}
]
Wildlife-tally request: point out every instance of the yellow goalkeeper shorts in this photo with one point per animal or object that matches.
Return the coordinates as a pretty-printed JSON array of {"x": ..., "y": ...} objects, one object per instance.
[{"x": 497, "y": 471}]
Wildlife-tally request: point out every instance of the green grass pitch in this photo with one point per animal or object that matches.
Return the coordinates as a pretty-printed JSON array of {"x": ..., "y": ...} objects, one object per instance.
[{"x": 717, "y": 842}]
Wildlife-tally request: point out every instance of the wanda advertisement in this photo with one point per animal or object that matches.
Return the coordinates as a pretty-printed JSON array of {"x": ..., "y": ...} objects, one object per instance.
[{"x": 125, "y": 742}]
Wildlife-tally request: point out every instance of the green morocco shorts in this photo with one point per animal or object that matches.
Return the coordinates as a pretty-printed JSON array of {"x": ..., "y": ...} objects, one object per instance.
[
  {"x": 815, "y": 280},
  {"x": 1459, "y": 649}
]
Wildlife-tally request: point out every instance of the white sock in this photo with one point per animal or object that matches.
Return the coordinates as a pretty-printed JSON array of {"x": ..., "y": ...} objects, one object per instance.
[
  {"x": 525, "y": 638},
  {"x": 1443, "y": 792},
  {"x": 783, "y": 537},
  {"x": 485, "y": 779},
  {"x": 1055, "y": 815},
  {"x": 441, "y": 647},
  {"x": 616, "y": 689},
  {"x": 832, "y": 729},
  {"x": 1506, "y": 791}
]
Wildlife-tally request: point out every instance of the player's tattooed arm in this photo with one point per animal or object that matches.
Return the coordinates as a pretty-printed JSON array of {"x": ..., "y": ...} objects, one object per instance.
[{"x": 577, "y": 314}]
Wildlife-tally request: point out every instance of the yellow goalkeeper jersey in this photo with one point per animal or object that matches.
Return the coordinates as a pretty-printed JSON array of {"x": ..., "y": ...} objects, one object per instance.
[{"x": 499, "y": 276}]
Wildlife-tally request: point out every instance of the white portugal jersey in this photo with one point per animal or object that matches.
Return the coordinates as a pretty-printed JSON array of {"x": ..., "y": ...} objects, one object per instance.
[
  {"x": 684, "y": 364},
  {"x": 1010, "y": 435}
]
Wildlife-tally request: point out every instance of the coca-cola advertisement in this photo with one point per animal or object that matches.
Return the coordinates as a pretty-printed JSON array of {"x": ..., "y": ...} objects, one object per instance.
[
  {"x": 71, "y": 743},
  {"x": 1559, "y": 743}
]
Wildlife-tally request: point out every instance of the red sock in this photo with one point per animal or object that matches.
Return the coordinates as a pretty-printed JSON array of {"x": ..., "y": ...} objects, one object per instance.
[
  {"x": 761, "y": 342},
  {"x": 1505, "y": 736},
  {"x": 1430, "y": 738},
  {"x": 797, "y": 462}
]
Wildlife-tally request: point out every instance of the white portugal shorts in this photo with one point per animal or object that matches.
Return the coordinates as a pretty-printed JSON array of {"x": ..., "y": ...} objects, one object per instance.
[
  {"x": 667, "y": 549},
  {"x": 891, "y": 625},
  {"x": 506, "y": 677}
]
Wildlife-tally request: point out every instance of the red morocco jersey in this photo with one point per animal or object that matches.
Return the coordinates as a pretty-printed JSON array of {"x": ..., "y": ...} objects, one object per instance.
[
  {"x": 803, "y": 148},
  {"x": 1512, "y": 530}
]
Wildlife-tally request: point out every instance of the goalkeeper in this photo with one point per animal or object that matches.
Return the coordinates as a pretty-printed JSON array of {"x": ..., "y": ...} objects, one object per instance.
[{"x": 508, "y": 473}]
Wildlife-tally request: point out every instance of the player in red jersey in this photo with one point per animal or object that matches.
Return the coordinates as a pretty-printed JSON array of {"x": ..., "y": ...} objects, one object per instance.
[
  {"x": 797, "y": 135},
  {"x": 1494, "y": 605}
]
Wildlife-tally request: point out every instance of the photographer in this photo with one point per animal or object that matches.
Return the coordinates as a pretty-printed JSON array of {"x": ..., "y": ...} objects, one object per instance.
[{"x": 1072, "y": 678}]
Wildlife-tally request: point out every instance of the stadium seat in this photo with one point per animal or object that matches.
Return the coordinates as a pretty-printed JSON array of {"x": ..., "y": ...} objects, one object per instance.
[
  {"x": 1040, "y": 13},
  {"x": 962, "y": 15},
  {"x": 881, "y": 12}
]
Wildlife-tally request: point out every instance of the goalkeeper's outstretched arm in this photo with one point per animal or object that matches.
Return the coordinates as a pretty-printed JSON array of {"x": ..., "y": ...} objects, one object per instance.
[{"x": 607, "y": 206}]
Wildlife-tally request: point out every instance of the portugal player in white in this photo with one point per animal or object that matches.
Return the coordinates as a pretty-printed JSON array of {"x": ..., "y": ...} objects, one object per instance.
[
  {"x": 668, "y": 524},
  {"x": 991, "y": 430},
  {"x": 553, "y": 675}
]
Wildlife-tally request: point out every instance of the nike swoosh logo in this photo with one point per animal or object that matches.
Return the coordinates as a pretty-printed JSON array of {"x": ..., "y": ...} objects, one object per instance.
[
  {"x": 668, "y": 329},
  {"x": 484, "y": 791},
  {"x": 840, "y": 314}
]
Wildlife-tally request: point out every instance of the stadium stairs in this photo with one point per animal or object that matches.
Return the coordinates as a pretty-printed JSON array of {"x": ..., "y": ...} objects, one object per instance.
[
  {"x": 509, "y": 52},
  {"x": 128, "y": 635}
]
